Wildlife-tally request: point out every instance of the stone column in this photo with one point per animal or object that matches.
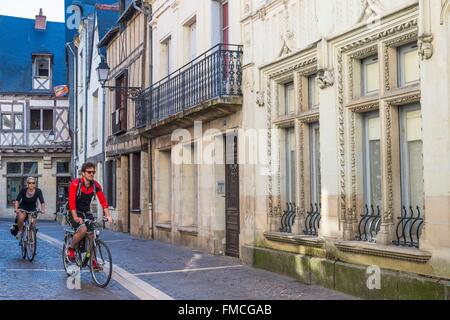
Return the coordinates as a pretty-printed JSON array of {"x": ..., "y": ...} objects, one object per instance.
[{"x": 435, "y": 79}]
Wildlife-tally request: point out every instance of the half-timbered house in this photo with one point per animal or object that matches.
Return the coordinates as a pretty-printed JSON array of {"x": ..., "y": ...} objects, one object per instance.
[{"x": 34, "y": 133}]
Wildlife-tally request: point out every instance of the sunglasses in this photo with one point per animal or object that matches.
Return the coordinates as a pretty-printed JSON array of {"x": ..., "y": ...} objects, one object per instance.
[
  {"x": 90, "y": 171},
  {"x": 31, "y": 182}
]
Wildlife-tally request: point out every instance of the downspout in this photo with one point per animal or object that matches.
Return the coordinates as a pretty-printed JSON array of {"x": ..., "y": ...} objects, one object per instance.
[
  {"x": 74, "y": 92},
  {"x": 148, "y": 16},
  {"x": 86, "y": 32},
  {"x": 150, "y": 155}
]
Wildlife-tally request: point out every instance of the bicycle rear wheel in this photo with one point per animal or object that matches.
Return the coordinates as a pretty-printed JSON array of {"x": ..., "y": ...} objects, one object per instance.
[
  {"x": 31, "y": 244},
  {"x": 103, "y": 262}
]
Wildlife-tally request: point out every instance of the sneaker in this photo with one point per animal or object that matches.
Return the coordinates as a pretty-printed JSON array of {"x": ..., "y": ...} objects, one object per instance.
[
  {"x": 71, "y": 254},
  {"x": 95, "y": 266}
]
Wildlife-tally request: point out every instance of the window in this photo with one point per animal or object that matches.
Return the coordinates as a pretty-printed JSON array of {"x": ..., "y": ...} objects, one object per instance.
[
  {"x": 6, "y": 122},
  {"x": 163, "y": 183},
  {"x": 42, "y": 67},
  {"x": 48, "y": 120},
  {"x": 13, "y": 168},
  {"x": 94, "y": 118},
  {"x": 166, "y": 63},
  {"x": 81, "y": 79},
  {"x": 42, "y": 72},
  {"x": 62, "y": 167},
  {"x": 408, "y": 65},
  {"x": 35, "y": 119},
  {"x": 120, "y": 117},
  {"x": 110, "y": 182},
  {"x": 315, "y": 163},
  {"x": 18, "y": 122},
  {"x": 289, "y": 99},
  {"x": 313, "y": 92},
  {"x": 290, "y": 165},
  {"x": 41, "y": 120},
  {"x": 225, "y": 23},
  {"x": 81, "y": 130},
  {"x": 372, "y": 159},
  {"x": 411, "y": 156},
  {"x": 16, "y": 175},
  {"x": 136, "y": 182},
  {"x": 192, "y": 41},
  {"x": 11, "y": 117},
  {"x": 370, "y": 77},
  {"x": 30, "y": 168}
]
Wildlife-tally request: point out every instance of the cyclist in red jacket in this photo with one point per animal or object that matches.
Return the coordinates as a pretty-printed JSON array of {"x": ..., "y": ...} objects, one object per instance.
[{"x": 81, "y": 193}]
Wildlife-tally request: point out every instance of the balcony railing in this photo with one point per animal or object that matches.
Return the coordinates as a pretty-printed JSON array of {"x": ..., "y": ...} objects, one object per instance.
[
  {"x": 312, "y": 221},
  {"x": 288, "y": 218},
  {"x": 369, "y": 225},
  {"x": 215, "y": 74},
  {"x": 409, "y": 227}
]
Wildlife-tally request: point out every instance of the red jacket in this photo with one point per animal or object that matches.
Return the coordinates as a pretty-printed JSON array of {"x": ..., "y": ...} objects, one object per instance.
[{"x": 75, "y": 204}]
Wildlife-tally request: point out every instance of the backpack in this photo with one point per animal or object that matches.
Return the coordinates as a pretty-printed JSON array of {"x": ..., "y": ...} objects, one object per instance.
[{"x": 80, "y": 184}]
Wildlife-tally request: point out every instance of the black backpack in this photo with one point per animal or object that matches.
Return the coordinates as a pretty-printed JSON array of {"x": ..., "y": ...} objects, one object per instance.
[{"x": 80, "y": 184}]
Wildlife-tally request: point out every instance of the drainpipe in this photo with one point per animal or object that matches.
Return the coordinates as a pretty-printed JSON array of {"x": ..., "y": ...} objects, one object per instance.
[
  {"x": 75, "y": 110},
  {"x": 85, "y": 90},
  {"x": 150, "y": 156}
]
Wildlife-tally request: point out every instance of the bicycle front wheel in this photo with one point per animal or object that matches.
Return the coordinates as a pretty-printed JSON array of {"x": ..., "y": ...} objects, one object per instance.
[
  {"x": 101, "y": 264},
  {"x": 31, "y": 244},
  {"x": 23, "y": 243}
]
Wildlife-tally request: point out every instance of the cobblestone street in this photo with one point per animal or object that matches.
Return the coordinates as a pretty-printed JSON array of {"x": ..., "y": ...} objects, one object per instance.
[{"x": 142, "y": 270}]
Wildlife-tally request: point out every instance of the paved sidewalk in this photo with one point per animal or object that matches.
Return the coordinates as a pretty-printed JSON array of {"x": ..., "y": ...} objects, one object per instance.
[{"x": 178, "y": 272}]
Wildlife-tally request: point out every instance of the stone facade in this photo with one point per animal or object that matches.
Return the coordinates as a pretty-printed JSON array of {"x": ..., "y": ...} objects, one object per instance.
[{"x": 332, "y": 44}]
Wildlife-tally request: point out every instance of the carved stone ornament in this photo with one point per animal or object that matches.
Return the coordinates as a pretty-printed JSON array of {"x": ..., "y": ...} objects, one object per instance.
[
  {"x": 325, "y": 78},
  {"x": 425, "y": 47},
  {"x": 287, "y": 37},
  {"x": 371, "y": 11},
  {"x": 260, "y": 98}
]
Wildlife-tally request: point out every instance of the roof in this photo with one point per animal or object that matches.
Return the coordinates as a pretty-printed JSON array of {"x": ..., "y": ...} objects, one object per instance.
[
  {"x": 127, "y": 14},
  {"x": 19, "y": 42},
  {"x": 87, "y": 7}
]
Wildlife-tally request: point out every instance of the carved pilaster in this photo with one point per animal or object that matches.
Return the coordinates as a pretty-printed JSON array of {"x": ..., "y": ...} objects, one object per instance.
[
  {"x": 425, "y": 35},
  {"x": 47, "y": 162}
]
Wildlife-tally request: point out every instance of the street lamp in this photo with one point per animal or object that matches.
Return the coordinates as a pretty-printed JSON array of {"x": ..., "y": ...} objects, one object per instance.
[{"x": 103, "y": 74}]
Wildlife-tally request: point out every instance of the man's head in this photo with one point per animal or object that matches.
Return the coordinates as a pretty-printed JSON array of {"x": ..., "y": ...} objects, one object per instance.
[{"x": 88, "y": 171}]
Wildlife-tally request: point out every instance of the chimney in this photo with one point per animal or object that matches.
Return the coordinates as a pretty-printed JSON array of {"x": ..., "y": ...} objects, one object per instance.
[{"x": 41, "y": 21}]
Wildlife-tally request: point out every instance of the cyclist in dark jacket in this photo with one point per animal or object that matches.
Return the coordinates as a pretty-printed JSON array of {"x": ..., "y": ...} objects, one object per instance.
[{"x": 27, "y": 200}]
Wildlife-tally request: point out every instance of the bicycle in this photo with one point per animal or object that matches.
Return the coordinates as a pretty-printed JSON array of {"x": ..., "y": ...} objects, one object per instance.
[
  {"x": 28, "y": 240},
  {"x": 88, "y": 251}
]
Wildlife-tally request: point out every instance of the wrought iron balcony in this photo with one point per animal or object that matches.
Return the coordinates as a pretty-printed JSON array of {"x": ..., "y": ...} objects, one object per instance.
[{"x": 217, "y": 73}]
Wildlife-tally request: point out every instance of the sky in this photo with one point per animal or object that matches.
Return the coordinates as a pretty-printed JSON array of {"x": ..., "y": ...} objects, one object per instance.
[{"x": 53, "y": 9}]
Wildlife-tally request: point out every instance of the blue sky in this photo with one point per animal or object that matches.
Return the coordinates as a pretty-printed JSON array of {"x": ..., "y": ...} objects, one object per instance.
[{"x": 53, "y": 9}]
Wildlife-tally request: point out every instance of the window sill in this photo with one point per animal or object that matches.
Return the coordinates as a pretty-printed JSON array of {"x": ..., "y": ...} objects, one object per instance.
[
  {"x": 308, "y": 241},
  {"x": 191, "y": 230},
  {"x": 164, "y": 226},
  {"x": 135, "y": 211},
  {"x": 393, "y": 252}
]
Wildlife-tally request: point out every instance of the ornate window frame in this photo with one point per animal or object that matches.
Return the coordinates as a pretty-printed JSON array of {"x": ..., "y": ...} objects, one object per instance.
[
  {"x": 349, "y": 107},
  {"x": 298, "y": 71}
]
